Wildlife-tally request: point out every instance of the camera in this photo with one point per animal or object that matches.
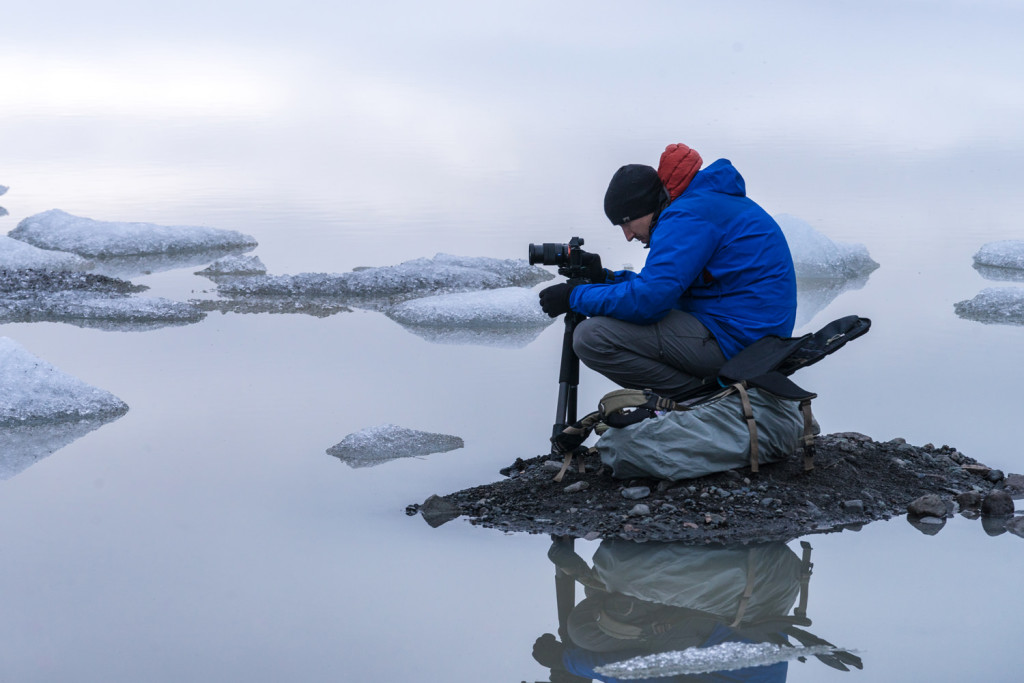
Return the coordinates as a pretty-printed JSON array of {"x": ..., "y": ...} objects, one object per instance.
[{"x": 568, "y": 257}]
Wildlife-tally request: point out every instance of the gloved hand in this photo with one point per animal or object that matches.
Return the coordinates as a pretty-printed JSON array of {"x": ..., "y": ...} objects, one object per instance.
[
  {"x": 595, "y": 271},
  {"x": 555, "y": 299}
]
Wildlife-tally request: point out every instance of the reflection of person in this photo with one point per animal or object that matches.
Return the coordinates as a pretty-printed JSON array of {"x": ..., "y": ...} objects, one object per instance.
[
  {"x": 658, "y": 597},
  {"x": 719, "y": 276}
]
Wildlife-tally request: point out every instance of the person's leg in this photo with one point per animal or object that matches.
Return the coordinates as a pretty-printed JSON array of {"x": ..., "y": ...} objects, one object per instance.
[{"x": 670, "y": 357}]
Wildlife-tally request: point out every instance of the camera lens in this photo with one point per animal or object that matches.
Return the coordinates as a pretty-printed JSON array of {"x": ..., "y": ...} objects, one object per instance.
[{"x": 549, "y": 254}]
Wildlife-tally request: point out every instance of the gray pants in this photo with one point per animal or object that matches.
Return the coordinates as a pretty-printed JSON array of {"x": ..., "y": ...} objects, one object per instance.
[{"x": 670, "y": 357}]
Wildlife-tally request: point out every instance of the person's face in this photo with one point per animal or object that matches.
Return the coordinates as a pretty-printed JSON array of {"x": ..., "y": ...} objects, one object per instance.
[{"x": 638, "y": 228}]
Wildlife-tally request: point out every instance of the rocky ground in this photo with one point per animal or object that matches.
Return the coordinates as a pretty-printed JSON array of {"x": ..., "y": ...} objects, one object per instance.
[{"x": 855, "y": 481}]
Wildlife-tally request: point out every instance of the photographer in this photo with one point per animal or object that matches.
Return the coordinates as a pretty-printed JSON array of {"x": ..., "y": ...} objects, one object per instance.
[{"x": 718, "y": 277}]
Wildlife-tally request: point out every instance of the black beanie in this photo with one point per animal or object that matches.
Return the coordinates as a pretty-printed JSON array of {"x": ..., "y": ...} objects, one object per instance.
[{"x": 635, "y": 191}]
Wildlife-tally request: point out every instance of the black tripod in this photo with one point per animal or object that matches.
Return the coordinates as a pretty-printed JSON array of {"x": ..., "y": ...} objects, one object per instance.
[{"x": 568, "y": 378}]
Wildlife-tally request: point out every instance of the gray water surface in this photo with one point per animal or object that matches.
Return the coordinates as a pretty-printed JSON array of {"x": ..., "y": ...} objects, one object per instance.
[{"x": 207, "y": 534}]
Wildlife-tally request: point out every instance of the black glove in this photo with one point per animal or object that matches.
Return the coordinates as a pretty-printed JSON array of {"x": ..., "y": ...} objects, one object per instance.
[
  {"x": 555, "y": 299},
  {"x": 547, "y": 651},
  {"x": 595, "y": 271}
]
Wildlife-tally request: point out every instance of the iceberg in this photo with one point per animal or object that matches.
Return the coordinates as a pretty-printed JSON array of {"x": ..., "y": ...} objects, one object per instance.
[
  {"x": 508, "y": 317},
  {"x": 1001, "y": 260},
  {"x": 87, "y": 300},
  {"x": 816, "y": 257},
  {"x": 25, "y": 445},
  {"x": 61, "y": 231},
  {"x": 16, "y": 255},
  {"x": 994, "y": 305},
  {"x": 33, "y": 392},
  {"x": 376, "y": 445}
]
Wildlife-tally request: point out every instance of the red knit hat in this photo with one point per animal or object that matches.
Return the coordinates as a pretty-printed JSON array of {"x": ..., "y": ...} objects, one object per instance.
[{"x": 677, "y": 167}]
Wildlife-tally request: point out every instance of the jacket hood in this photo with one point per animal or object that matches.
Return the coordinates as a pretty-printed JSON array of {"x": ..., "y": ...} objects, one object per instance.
[{"x": 721, "y": 176}]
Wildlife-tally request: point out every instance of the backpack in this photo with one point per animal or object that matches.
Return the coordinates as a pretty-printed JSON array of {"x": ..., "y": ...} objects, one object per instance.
[{"x": 754, "y": 413}]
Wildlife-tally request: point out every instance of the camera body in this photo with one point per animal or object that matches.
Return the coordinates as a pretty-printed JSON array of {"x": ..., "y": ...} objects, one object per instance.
[{"x": 568, "y": 257}]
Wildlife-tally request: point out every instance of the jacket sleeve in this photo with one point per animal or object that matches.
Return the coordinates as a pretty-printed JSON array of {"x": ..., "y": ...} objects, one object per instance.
[{"x": 681, "y": 247}]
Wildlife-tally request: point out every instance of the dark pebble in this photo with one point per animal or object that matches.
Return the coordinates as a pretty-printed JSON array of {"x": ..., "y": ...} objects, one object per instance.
[{"x": 928, "y": 505}]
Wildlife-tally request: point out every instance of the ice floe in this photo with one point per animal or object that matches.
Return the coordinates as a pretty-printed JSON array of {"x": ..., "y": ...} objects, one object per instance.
[
  {"x": 994, "y": 305},
  {"x": 817, "y": 257},
  {"x": 17, "y": 255},
  {"x": 56, "y": 229},
  {"x": 1001, "y": 260},
  {"x": 87, "y": 300},
  {"x": 419, "y": 277},
  {"x": 508, "y": 317},
  {"x": 376, "y": 445},
  {"x": 236, "y": 264},
  {"x": 32, "y": 391},
  {"x": 3, "y": 189}
]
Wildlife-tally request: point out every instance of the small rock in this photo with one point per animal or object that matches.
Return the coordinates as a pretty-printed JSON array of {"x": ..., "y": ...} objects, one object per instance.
[
  {"x": 690, "y": 525},
  {"x": 713, "y": 520},
  {"x": 1014, "y": 484},
  {"x": 929, "y": 505},
  {"x": 855, "y": 507},
  {"x": 592, "y": 536},
  {"x": 899, "y": 440},
  {"x": 767, "y": 502},
  {"x": 969, "y": 500},
  {"x": 576, "y": 487},
  {"x": 437, "y": 510},
  {"x": 997, "y": 503},
  {"x": 640, "y": 510},
  {"x": 551, "y": 466},
  {"x": 636, "y": 492},
  {"x": 976, "y": 468},
  {"x": 994, "y": 476}
]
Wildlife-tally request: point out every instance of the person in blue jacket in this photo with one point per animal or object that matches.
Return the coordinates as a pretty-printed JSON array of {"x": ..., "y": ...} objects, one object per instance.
[{"x": 718, "y": 277}]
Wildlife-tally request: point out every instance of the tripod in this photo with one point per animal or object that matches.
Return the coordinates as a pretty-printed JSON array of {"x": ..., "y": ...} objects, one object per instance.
[{"x": 568, "y": 378}]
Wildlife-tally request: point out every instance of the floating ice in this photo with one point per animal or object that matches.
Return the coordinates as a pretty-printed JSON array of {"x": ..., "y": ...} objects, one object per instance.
[
  {"x": 16, "y": 255},
  {"x": 32, "y": 391},
  {"x": 86, "y": 300},
  {"x": 1002, "y": 260},
  {"x": 56, "y": 229},
  {"x": 510, "y": 317},
  {"x": 314, "y": 307},
  {"x": 994, "y": 305},
  {"x": 3, "y": 189},
  {"x": 237, "y": 264},
  {"x": 25, "y": 445},
  {"x": 420, "y": 277},
  {"x": 817, "y": 257},
  {"x": 129, "y": 267},
  {"x": 376, "y": 445},
  {"x": 3, "y": 211},
  {"x": 729, "y": 656}
]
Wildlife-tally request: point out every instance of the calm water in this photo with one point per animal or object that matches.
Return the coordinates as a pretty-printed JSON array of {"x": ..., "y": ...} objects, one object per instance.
[{"x": 206, "y": 535}]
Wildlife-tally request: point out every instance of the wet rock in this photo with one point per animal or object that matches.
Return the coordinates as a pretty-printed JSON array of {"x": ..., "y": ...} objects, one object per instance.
[
  {"x": 437, "y": 510},
  {"x": 928, "y": 505},
  {"x": 969, "y": 500},
  {"x": 577, "y": 487},
  {"x": 636, "y": 492},
  {"x": 997, "y": 503},
  {"x": 1014, "y": 485},
  {"x": 854, "y": 506},
  {"x": 994, "y": 476}
]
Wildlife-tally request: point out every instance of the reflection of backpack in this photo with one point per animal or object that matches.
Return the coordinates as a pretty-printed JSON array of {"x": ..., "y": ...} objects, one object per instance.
[{"x": 754, "y": 414}]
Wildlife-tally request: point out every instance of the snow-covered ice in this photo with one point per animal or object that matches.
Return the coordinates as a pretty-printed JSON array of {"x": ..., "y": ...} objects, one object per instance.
[
  {"x": 994, "y": 305},
  {"x": 56, "y": 229},
  {"x": 1002, "y": 260},
  {"x": 416, "y": 278},
  {"x": 33, "y": 391},
  {"x": 236, "y": 264},
  {"x": 17, "y": 255},
  {"x": 87, "y": 300},
  {"x": 728, "y": 656},
  {"x": 25, "y": 445},
  {"x": 817, "y": 257},
  {"x": 376, "y": 445}
]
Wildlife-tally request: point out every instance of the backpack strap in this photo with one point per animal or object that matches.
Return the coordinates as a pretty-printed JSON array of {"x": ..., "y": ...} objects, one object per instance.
[{"x": 748, "y": 415}]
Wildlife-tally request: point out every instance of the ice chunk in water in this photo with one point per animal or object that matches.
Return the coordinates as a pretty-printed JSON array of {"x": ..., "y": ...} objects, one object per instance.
[
  {"x": 376, "y": 445},
  {"x": 33, "y": 391},
  {"x": 25, "y": 445},
  {"x": 815, "y": 256},
  {"x": 994, "y": 305},
  {"x": 3, "y": 189},
  {"x": 505, "y": 307},
  {"x": 237, "y": 264},
  {"x": 1002, "y": 260},
  {"x": 16, "y": 255},
  {"x": 56, "y": 229},
  {"x": 728, "y": 656}
]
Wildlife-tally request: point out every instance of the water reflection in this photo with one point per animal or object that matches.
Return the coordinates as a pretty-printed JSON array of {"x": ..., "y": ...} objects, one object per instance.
[
  {"x": 702, "y": 610},
  {"x": 128, "y": 267},
  {"x": 1000, "y": 274},
  {"x": 813, "y": 295},
  {"x": 23, "y": 446}
]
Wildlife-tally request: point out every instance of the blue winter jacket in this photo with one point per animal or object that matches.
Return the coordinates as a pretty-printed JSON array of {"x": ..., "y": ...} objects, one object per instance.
[{"x": 714, "y": 253}]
